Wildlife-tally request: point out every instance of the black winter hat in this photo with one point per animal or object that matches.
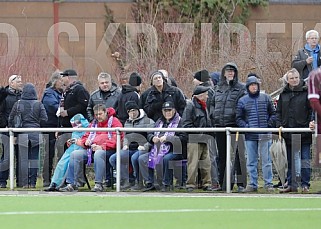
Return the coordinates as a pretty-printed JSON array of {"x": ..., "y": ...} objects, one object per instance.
[
  {"x": 200, "y": 89},
  {"x": 131, "y": 105},
  {"x": 202, "y": 75},
  {"x": 69, "y": 72},
  {"x": 135, "y": 79}
]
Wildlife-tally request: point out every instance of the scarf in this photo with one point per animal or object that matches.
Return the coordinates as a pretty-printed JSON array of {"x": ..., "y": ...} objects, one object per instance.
[
  {"x": 314, "y": 53},
  {"x": 92, "y": 135},
  {"x": 157, "y": 153},
  {"x": 202, "y": 103}
]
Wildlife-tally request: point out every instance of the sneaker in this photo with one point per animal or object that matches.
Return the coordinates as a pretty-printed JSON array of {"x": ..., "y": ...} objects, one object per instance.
[
  {"x": 207, "y": 189},
  {"x": 98, "y": 188},
  {"x": 3, "y": 186},
  {"x": 305, "y": 189},
  {"x": 166, "y": 188},
  {"x": 269, "y": 188},
  {"x": 69, "y": 188},
  {"x": 149, "y": 187},
  {"x": 288, "y": 189},
  {"x": 52, "y": 187},
  {"x": 125, "y": 186},
  {"x": 249, "y": 189},
  {"x": 190, "y": 189},
  {"x": 240, "y": 189},
  {"x": 136, "y": 187},
  {"x": 216, "y": 187}
]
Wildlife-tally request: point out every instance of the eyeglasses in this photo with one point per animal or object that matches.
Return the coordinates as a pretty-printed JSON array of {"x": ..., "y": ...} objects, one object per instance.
[{"x": 313, "y": 38}]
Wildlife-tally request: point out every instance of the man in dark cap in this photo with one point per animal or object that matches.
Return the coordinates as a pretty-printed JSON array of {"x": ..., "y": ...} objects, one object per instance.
[
  {"x": 196, "y": 116},
  {"x": 129, "y": 92},
  {"x": 203, "y": 78},
  {"x": 75, "y": 98},
  {"x": 223, "y": 106}
]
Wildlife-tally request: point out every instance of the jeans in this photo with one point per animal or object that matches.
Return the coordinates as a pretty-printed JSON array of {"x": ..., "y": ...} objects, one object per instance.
[
  {"x": 125, "y": 155},
  {"x": 135, "y": 164},
  {"x": 253, "y": 148},
  {"x": 75, "y": 170},
  {"x": 301, "y": 165},
  {"x": 101, "y": 165}
]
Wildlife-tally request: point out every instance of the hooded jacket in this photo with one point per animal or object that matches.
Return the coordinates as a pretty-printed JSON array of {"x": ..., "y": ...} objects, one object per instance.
[
  {"x": 255, "y": 111},
  {"x": 226, "y": 96},
  {"x": 134, "y": 139},
  {"x": 128, "y": 93},
  {"x": 32, "y": 111},
  {"x": 101, "y": 137}
]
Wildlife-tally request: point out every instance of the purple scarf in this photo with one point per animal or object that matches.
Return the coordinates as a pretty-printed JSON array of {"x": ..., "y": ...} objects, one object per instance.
[
  {"x": 156, "y": 155},
  {"x": 92, "y": 135}
]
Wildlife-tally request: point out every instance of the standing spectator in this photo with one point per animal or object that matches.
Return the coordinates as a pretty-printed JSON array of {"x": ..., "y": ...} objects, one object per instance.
[
  {"x": 9, "y": 95},
  {"x": 99, "y": 144},
  {"x": 107, "y": 94},
  {"x": 308, "y": 58},
  {"x": 203, "y": 78},
  {"x": 129, "y": 92},
  {"x": 75, "y": 98},
  {"x": 227, "y": 93},
  {"x": 163, "y": 146},
  {"x": 196, "y": 116},
  {"x": 294, "y": 111},
  {"x": 159, "y": 93},
  {"x": 134, "y": 144},
  {"x": 256, "y": 110},
  {"x": 32, "y": 113},
  {"x": 51, "y": 101},
  {"x": 169, "y": 79},
  {"x": 57, "y": 180}
]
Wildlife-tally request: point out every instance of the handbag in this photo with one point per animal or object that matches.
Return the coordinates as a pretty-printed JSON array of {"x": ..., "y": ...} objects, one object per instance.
[{"x": 17, "y": 120}]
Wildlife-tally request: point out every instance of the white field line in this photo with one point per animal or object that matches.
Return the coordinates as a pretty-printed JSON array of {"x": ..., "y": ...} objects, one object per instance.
[{"x": 162, "y": 211}]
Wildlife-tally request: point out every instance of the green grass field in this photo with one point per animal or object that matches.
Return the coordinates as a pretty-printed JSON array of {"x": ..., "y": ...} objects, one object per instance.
[{"x": 137, "y": 210}]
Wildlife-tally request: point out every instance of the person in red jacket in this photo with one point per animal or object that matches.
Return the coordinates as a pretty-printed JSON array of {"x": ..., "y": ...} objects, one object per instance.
[{"x": 99, "y": 144}]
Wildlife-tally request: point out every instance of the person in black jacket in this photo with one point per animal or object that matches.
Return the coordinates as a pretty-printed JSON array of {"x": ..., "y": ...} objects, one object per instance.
[
  {"x": 159, "y": 93},
  {"x": 107, "y": 94},
  {"x": 75, "y": 98},
  {"x": 9, "y": 95},
  {"x": 294, "y": 111},
  {"x": 32, "y": 113},
  {"x": 227, "y": 93},
  {"x": 129, "y": 92},
  {"x": 195, "y": 116}
]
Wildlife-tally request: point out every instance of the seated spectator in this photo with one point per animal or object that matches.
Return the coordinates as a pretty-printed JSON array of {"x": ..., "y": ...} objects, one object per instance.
[
  {"x": 102, "y": 144},
  {"x": 134, "y": 144},
  {"x": 78, "y": 121},
  {"x": 163, "y": 146}
]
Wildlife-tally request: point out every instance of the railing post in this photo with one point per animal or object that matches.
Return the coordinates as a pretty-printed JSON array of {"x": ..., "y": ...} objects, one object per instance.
[
  {"x": 228, "y": 160},
  {"x": 11, "y": 159},
  {"x": 118, "y": 146}
]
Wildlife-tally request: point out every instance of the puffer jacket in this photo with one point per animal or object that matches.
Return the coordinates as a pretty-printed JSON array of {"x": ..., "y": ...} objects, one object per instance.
[
  {"x": 101, "y": 137},
  {"x": 294, "y": 111},
  {"x": 255, "y": 111},
  {"x": 226, "y": 96}
]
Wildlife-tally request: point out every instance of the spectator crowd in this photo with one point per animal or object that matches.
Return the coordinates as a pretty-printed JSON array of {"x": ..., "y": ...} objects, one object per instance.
[{"x": 163, "y": 160}]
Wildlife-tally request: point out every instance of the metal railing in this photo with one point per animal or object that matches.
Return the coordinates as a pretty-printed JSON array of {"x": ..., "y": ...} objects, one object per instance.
[{"x": 228, "y": 131}]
